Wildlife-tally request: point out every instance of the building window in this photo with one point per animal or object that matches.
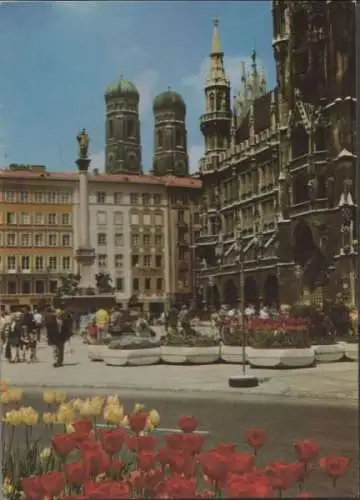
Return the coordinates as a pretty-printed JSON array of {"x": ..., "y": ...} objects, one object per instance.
[
  {"x": 146, "y": 199},
  {"x": 102, "y": 261},
  {"x": 101, "y": 239},
  {"x": 65, "y": 219},
  {"x": 65, "y": 198},
  {"x": 178, "y": 138},
  {"x": 39, "y": 287},
  {"x": 10, "y": 218},
  {"x": 134, "y": 198},
  {"x": 118, "y": 198},
  {"x": 158, "y": 219},
  {"x": 52, "y": 240},
  {"x": 158, "y": 239},
  {"x": 52, "y": 263},
  {"x": 146, "y": 239},
  {"x": 182, "y": 253},
  {"x": 39, "y": 219},
  {"x": 12, "y": 289},
  {"x": 24, "y": 196},
  {"x": 147, "y": 260},
  {"x": 119, "y": 261},
  {"x": 25, "y": 218},
  {"x": 157, "y": 199},
  {"x": 52, "y": 198},
  {"x": 26, "y": 287},
  {"x": 39, "y": 263},
  {"x": 53, "y": 285},
  {"x": 10, "y": 196},
  {"x": 130, "y": 128},
  {"x": 66, "y": 263},
  {"x": 118, "y": 218},
  {"x": 147, "y": 284},
  {"x": 111, "y": 128},
  {"x": 100, "y": 197},
  {"x": 135, "y": 239},
  {"x": 135, "y": 260},
  {"x": 196, "y": 218},
  {"x": 65, "y": 240},
  {"x": 11, "y": 263},
  {"x": 147, "y": 219},
  {"x": 39, "y": 240},
  {"x": 158, "y": 261},
  {"x": 25, "y": 263},
  {"x": 119, "y": 284},
  {"x": 52, "y": 219},
  {"x": 25, "y": 240},
  {"x": 159, "y": 138},
  {"x": 135, "y": 219},
  {"x": 136, "y": 284},
  {"x": 119, "y": 239},
  {"x": 159, "y": 284},
  {"x": 181, "y": 216},
  {"x": 38, "y": 197},
  {"x": 101, "y": 218}
]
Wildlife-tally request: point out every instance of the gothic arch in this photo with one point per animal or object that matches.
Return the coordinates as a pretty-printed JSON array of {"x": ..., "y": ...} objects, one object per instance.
[
  {"x": 303, "y": 243},
  {"x": 212, "y": 296},
  {"x": 230, "y": 292},
  {"x": 132, "y": 162},
  {"x": 251, "y": 292},
  {"x": 271, "y": 291},
  {"x": 299, "y": 141},
  {"x": 300, "y": 187}
]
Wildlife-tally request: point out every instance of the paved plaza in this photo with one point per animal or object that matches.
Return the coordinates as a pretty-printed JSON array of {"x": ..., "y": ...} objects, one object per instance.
[{"x": 326, "y": 382}]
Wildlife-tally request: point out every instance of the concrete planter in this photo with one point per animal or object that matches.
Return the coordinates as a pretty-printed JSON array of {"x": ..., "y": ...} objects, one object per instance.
[
  {"x": 174, "y": 355},
  {"x": 281, "y": 358},
  {"x": 233, "y": 354},
  {"x": 135, "y": 357},
  {"x": 351, "y": 351},
  {"x": 95, "y": 352},
  {"x": 329, "y": 353}
]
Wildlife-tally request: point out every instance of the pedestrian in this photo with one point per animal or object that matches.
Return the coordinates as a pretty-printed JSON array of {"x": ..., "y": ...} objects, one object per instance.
[
  {"x": 58, "y": 328},
  {"x": 29, "y": 336},
  {"x": 14, "y": 338},
  {"x": 102, "y": 322},
  {"x": 38, "y": 319}
]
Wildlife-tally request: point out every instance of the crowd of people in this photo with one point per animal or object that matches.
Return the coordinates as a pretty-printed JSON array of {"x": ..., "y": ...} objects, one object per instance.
[{"x": 21, "y": 333}]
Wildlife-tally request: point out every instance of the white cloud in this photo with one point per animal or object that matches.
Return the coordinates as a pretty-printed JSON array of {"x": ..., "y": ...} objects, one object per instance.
[
  {"x": 98, "y": 161},
  {"x": 232, "y": 68},
  {"x": 195, "y": 153},
  {"x": 146, "y": 82}
]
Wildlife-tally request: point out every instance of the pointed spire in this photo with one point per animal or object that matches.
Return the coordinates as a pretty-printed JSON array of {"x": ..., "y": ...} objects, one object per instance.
[{"x": 215, "y": 45}]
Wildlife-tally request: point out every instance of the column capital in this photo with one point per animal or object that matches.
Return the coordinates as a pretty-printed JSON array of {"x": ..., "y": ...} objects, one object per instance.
[{"x": 83, "y": 164}]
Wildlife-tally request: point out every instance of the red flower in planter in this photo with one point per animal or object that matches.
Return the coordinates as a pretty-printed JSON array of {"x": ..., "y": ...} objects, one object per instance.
[
  {"x": 52, "y": 483},
  {"x": 240, "y": 463},
  {"x": 32, "y": 488},
  {"x": 192, "y": 443},
  {"x": 249, "y": 486},
  {"x": 82, "y": 427},
  {"x": 96, "y": 461},
  {"x": 117, "y": 465},
  {"x": 146, "y": 443},
  {"x": 116, "y": 490},
  {"x": 335, "y": 467},
  {"x": 75, "y": 473},
  {"x": 225, "y": 448},
  {"x": 174, "y": 441},
  {"x": 281, "y": 475},
  {"x": 145, "y": 459},
  {"x": 112, "y": 440},
  {"x": 299, "y": 469},
  {"x": 188, "y": 424},
  {"x": 178, "y": 487},
  {"x": 64, "y": 444},
  {"x": 255, "y": 437},
  {"x": 215, "y": 465},
  {"x": 205, "y": 494},
  {"x": 152, "y": 480},
  {"x": 137, "y": 421},
  {"x": 307, "y": 450}
]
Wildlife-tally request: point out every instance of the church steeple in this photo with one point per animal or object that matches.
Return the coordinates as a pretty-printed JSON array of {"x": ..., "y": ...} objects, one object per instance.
[{"x": 215, "y": 123}]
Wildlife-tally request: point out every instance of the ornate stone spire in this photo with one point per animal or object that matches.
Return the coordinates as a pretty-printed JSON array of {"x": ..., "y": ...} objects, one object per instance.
[{"x": 216, "y": 74}]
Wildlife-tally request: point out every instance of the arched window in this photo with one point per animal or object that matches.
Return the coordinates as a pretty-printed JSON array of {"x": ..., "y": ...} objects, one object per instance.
[
  {"x": 111, "y": 128},
  {"x": 180, "y": 168},
  {"x": 178, "y": 138},
  {"x": 132, "y": 162},
  {"x": 299, "y": 142},
  {"x": 160, "y": 138},
  {"x": 211, "y": 102},
  {"x": 130, "y": 127},
  {"x": 321, "y": 186},
  {"x": 300, "y": 188}
]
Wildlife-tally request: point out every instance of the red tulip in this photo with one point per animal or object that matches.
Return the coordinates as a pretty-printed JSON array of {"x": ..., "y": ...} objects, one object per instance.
[
  {"x": 215, "y": 465},
  {"x": 137, "y": 421},
  {"x": 117, "y": 465},
  {"x": 145, "y": 459},
  {"x": 307, "y": 450},
  {"x": 32, "y": 488},
  {"x": 188, "y": 424},
  {"x": 225, "y": 448},
  {"x": 177, "y": 487},
  {"x": 249, "y": 486},
  {"x": 255, "y": 437},
  {"x": 52, "y": 483},
  {"x": 152, "y": 479},
  {"x": 304, "y": 494},
  {"x": 116, "y": 490},
  {"x": 174, "y": 441},
  {"x": 335, "y": 467},
  {"x": 75, "y": 473},
  {"x": 82, "y": 426},
  {"x": 299, "y": 470},
  {"x": 281, "y": 475},
  {"x": 192, "y": 443},
  {"x": 74, "y": 497},
  {"x": 146, "y": 443},
  {"x": 112, "y": 440},
  {"x": 64, "y": 444},
  {"x": 240, "y": 463}
]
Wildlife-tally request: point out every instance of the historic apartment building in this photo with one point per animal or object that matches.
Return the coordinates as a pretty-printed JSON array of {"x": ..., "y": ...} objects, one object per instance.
[
  {"x": 36, "y": 233},
  {"x": 279, "y": 165}
]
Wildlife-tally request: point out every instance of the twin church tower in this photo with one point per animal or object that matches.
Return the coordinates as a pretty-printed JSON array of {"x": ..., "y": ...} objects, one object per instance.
[{"x": 123, "y": 138}]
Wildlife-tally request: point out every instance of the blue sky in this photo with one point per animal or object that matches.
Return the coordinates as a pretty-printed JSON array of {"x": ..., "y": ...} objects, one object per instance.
[{"x": 58, "y": 57}]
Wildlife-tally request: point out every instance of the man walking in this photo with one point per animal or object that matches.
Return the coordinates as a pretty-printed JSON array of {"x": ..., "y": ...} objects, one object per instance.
[{"x": 58, "y": 328}]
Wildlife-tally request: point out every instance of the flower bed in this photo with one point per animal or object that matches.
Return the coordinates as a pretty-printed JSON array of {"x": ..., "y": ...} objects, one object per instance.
[
  {"x": 279, "y": 343},
  {"x": 231, "y": 350},
  {"x": 132, "y": 350},
  {"x": 193, "y": 349},
  {"x": 86, "y": 460}
]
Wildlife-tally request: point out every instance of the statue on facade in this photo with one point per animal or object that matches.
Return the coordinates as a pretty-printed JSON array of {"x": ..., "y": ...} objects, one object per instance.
[{"x": 83, "y": 142}]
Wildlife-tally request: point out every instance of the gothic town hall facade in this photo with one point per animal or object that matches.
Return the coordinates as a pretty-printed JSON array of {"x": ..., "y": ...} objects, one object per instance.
[{"x": 279, "y": 165}]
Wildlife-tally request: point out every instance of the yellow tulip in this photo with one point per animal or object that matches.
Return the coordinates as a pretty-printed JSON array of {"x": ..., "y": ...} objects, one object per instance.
[
  {"x": 138, "y": 408},
  {"x": 5, "y": 398},
  {"x": 113, "y": 414},
  {"x": 49, "y": 397},
  {"x": 49, "y": 418},
  {"x": 30, "y": 417},
  {"x": 15, "y": 394},
  {"x": 97, "y": 404},
  {"x": 4, "y": 385},
  {"x": 13, "y": 417},
  {"x": 149, "y": 427},
  {"x": 113, "y": 400},
  {"x": 65, "y": 414},
  {"x": 60, "y": 397},
  {"x": 77, "y": 403},
  {"x": 8, "y": 487},
  {"x": 154, "y": 417},
  {"x": 70, "y": 428},
  {"x": 45, "y": 454}
]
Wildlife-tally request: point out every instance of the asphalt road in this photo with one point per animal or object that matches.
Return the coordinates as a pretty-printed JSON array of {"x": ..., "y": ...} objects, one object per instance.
[{"x": 335, "y": 428}]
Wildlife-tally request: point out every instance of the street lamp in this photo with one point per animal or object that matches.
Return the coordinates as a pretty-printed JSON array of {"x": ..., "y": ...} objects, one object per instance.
[{"x": 242, "y": 380}]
